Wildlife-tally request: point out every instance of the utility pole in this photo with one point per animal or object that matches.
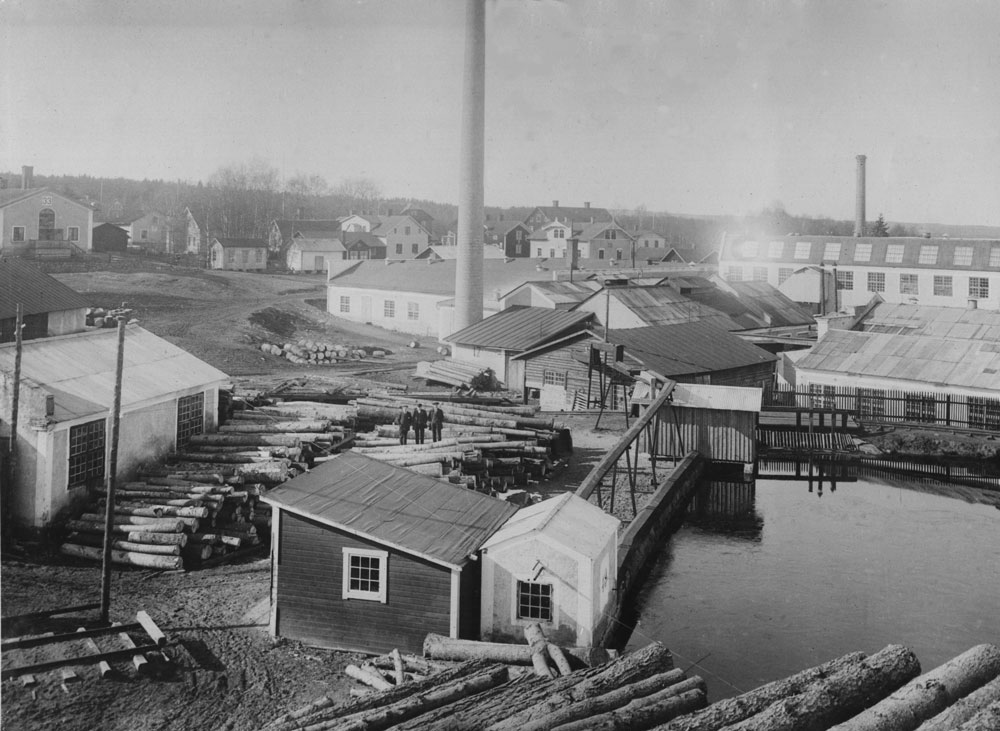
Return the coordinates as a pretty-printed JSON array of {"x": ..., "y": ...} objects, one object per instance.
[
  {"x": 109, "y": 512},
  {"x": 8, "y": 483}
]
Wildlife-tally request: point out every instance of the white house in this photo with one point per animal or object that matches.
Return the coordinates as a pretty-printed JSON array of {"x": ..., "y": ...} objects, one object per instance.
[
  {"x": 403, "y": 237},
  {"x": 553, "y": 563},
  {"x": 239, "y": 254},
  {"x": 64, "y": 425},
  {"x": 39, "y": 216},
  {"x": 312, "y": 254},
  {"x": 550, "y": 241}
]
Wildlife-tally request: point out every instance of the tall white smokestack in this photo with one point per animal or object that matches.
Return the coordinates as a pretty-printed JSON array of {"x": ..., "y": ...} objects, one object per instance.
[
  {"x": 469, "y": 266},
  {"x": 859, "y": 202}
]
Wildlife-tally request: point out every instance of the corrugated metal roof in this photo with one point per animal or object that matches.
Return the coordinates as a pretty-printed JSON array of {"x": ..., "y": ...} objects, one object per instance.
[
  {"x": 941, "y": 322},
  {"x": 395, "y": 507},
  {"x": 79, "y": 369},
  {"x": 942, "y": 361},
  {"x": 37, "y": 292},
  {"x": 688, "y": 348},
  {"x": 778, "y": 310},
  {"x": 567, "y": 519},
  {"x": 520, "y": 328},
  {"x": 722, "y": 398},
  {"x": 663, "y": 305},
  {"x": 310, "y": 244}
]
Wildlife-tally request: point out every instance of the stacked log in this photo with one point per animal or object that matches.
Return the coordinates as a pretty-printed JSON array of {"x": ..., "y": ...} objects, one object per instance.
[
  {"x": 489, "y": 448},
  {"x": 448, "y": 371},
  {"x": 317, "y": 352}
]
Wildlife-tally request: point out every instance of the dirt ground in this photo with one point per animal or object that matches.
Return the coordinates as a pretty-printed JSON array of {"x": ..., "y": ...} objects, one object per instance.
[{"x": 224, "y": 670}]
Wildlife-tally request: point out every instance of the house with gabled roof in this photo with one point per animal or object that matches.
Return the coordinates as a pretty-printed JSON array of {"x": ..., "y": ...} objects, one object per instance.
[
  {"x": 48, "y": 307},
  {"x": 197, "y": 239},
  {"x": 283, "y": 230},
  {"x": 551, "y": 240},
  {"x": 604, "y": 240},
  {"x": 362, "y": 245},
  {"x": 403, "y": 236},
  {"x": 371, "y": 557},
  {"x": 313, "y": 254},
  {"x": 150, "y": 231},
  {"x": 495, "y": 340},
  {"x": 570, "y": 215},
  {"x": 239, "y": 254},
  {"x": 420, "y": 216},
  {"x": 35, "y": 219},
  {"x": 359, "y": 222},
  {"x": 510, "y": 236}
]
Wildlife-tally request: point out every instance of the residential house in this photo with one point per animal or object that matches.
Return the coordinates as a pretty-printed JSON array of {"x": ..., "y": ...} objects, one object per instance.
[
  {"x": 197, "y": 231},
  {"x": 362, "y": 245},
  {"x": 312, "y": 254},
  {"x": 605, "y": 240},
  {"x": 941, "y": 272},
  {"x": 555, "y": 564},
  {"x": 370, "y": 557},
  {"x": 239, "y": 254},
  {"x": 648, "y": 239},
  {"x": 35, "y": 220},
  {"x": 48, "y": 307},
  {"x": 420, "y": 216},
  {"x": 940, "y": 363},
  {"x": 109, "y": 237},
  {"x": 283, "y": 230},
  {"x": 67, "y": 390},
  {"x": 550, "y": 241},
  {"x": 570, "y": 215},
  {"x": 150, "y": 231},
  {"x": 358, "y": 222},
  {"x": 403, "y": 237},
  {"x": 511, "y": 237},
  {"x": 492, "y": 342}
]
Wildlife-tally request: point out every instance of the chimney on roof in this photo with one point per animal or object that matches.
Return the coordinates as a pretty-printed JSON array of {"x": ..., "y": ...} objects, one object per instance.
[
  {"x": 586, "y": 204},
  {"x": 27, "y": 176},
  {"x": 555, "y": 204},
  {"x": 859, "y": 202}
]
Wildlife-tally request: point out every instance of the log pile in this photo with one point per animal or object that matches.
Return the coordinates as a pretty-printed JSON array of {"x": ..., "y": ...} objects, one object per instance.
[
  {"x": 315, "y": 352},
  {"x": 643, "y": 691},
  {"x": 488, "y": 448},
  {"x": 452, "y": 372}
]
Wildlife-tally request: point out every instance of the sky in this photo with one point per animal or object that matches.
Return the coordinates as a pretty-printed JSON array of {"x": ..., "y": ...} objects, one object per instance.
[{"x": 686, "y": 106}]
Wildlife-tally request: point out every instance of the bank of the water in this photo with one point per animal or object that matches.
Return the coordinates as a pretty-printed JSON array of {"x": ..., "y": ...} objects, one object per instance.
[{"x": 797, "y": 579}]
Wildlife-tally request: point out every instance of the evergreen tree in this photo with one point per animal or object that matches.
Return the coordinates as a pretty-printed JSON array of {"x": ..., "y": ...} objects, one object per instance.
[{"x": 879, "y": 228}]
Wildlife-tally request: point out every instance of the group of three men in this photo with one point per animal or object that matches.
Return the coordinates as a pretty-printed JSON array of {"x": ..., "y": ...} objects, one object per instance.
[{"x": 418, "y": 420}]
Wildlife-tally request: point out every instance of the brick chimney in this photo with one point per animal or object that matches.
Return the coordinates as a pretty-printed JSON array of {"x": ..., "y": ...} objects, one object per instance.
[
  {"x": 859, "y": 202},
  {"x": 27, "y": 176}
]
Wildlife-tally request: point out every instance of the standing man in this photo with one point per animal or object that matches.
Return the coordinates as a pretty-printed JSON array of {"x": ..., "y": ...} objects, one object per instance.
[
  {"x": 419, "y": 423},
  {"x": 437, "y": 421},
  {"x": 404, "y": 420}
]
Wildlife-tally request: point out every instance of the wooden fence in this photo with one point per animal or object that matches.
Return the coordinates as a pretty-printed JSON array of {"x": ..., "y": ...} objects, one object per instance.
[{"x": 882, "y": 406}]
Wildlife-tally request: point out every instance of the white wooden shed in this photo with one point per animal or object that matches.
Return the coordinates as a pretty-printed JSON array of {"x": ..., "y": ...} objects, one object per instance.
[{"x": 553, "y": 563}]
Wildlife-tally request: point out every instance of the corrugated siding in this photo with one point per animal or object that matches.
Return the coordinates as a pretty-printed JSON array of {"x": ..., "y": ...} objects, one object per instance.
[
  {"x": 721, "y": 436},
  {"x": 310, "y": 607}
]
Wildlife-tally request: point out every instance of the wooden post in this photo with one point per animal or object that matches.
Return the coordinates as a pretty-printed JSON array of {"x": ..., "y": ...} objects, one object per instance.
[
  {"x": 8, "y": 479},
  {"x": 109, "y": 512}
]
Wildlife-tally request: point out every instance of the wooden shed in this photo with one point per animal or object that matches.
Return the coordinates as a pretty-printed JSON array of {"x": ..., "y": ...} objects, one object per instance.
[
  {"x": 553, "y": 563},
  {"x": 110, "y": 237},
  {"x": 369, "y": 557}
]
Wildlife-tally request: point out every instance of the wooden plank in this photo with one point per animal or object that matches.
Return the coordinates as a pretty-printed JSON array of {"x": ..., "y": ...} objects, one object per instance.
[
  {"x": 52, "y": 612},
  {"x": 35, "y": 640},
  {"x": 79, "y": 660},
  {"x": 154, "y": 632}
]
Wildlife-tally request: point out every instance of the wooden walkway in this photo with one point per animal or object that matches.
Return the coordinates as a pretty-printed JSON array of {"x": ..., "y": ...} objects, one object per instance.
[{"x": 801, "y": 441}]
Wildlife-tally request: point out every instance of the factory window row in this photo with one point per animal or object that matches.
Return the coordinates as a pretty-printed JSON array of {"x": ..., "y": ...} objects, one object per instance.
[{"x": 894, "y": 253}]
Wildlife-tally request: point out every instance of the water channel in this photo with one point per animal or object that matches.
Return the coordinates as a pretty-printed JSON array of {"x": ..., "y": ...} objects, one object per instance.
[{"x": 768, "y": 578}]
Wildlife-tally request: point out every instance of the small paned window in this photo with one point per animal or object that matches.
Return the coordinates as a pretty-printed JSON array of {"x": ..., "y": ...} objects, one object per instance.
[
  {"x": 389, "y": 308},
  {"x": 618, "y": 254},
  {"x": 876, "y": 281},
  {"x": 46, "y": 222},
  {"x": 538, "y": 251},
  {"x": 246, "y": 255},
  {"x": 412, "y": 311},
  {"x": 928, "y": 255},
  {"x": 734, "y": 273},
  {"x": 600, "y": 253},
  {"x": 984, "y": 413},
  {"x": 908, "y": 284},
  {"x": 862, "y": 252},
  {"x": 831, "y": 252},
  {"x": 552, "y": 253},
  {"x": 17, "y": 234},
  {"x": 995, "y": 257},
  {"x": 803, "y": 249},
  {"x": 845, "y": 280},
  {"x": 553, "y": 378},
  {"x": 749, "y": 249},
  {"x": 73, "y": 232},
  {"x": 963, "y": 256},
  {"x": 784, "y": 273},
  {"x": 414, "y": 248},
  {"x": 894, "y": 254},
  {"x": 345, "y": 303},
  {"x": 979, "y": 287},
  {"x": 365, "y": 574},
  {"x": 406, "y": 230},
  {"x": 260, "y": 256},
  {"x": 86, "y": 453},
  {"x": 399, "y": 248},
  {"x": 190, "y": 418},
  {"x": 760, "y": 274},
  {"x": 942, "y": 286},
  {"x": 534, "y": 601},
  {"x": 776, "y": 249},
  {"x": 144, "y": 234}
]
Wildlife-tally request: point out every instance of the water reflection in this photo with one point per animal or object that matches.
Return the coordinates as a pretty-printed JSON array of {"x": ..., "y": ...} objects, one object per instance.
[{"x": 726, "y": 507}]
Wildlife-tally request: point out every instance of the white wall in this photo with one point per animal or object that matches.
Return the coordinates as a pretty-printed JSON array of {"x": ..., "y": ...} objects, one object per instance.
[
  {"x": 368, "y": 305},
  {"x": 485, "y": 358}
]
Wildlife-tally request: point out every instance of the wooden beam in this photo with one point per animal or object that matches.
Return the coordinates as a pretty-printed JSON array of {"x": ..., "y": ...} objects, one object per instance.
[
  {"x": 52, "y": 612},
  {"x": 34, "y": 641},
  {"x": 78, "y": 660}
]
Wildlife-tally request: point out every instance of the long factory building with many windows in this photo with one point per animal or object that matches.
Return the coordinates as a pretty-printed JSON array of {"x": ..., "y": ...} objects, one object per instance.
[{"x": 940, "y": 271}]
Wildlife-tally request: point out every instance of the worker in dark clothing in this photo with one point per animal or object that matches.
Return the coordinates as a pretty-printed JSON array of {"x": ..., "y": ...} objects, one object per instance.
[
  {"x": 405, "y": 420},
  {"x": 437, "y": 421},
  {"x": 419, "y": 423}
]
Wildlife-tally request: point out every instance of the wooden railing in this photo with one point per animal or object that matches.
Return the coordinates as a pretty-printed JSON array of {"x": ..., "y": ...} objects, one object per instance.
[{"x": 883, "y": 406}]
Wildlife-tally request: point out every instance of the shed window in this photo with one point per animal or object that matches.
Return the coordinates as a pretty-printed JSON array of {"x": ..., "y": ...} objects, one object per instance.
[
  {"x": 760, "y": 274},
  {"x": 894, "y": 254},
  {"x": 407, "y": 230},
  {"x": 538, "y": 251},
  {"x": 871, "y": 403},
  {"x": 876, "y": 281},
  {"x": 600, "y": 253},
  {"x": 942, "y": 286},
  {"x": 144, "y": 234},
  {"x": 553, "y": 378},
  {"x": 783, "y": 274},
  {"x": 963, "y": 256},
  {"x": 86, "y": 453},
  {"x": 365, "y": 574},
  {"x": 776, "y": 249},
  {"x": 610, "y": 234},
  {"x": 17, "y": 234},
  {"x": 74, "y": 233},
  {"x": 389, "y": 308},
  {"x": 190, "y": 418},
  {"x": 618, "y": 254},
  {"x": 534, "y": 601},
  {"x": 863, "y": 252},
  {"x": 345, "y": 303},
  {"x": 414, "y": 248},
  {"x": 412, "y": 311},
  {"x": 260, "y": 256},
  {"x": 979, "y": 287},
  {"x": 821, "y": 396},
  {"x": 908, "y": 284},
  {"x": 399, "y": 248},
  {"x": 803, "y": 249},
  {"x": 845, "y": 280},
  {"x": 734, "y": 273}
]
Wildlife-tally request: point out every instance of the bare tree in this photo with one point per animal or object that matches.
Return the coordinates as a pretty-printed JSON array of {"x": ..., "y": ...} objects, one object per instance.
[
  {"x": 300, "y": 194},
  {"x": 245, "y": 198},
  {"x": 363, "y": 193}
]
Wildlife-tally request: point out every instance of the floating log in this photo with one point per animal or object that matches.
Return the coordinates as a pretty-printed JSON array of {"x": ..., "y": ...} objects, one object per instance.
[
  {"x": 931, "y": 693},
  {"x": 964, "y": 708},
  {"x": 839, "y": 697},
  {"x": 439, "y": 647},
  {"x": 733, "y": 710},
  {"x": 643, "y": 713},
  {"x": 129, "y": 558}
]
